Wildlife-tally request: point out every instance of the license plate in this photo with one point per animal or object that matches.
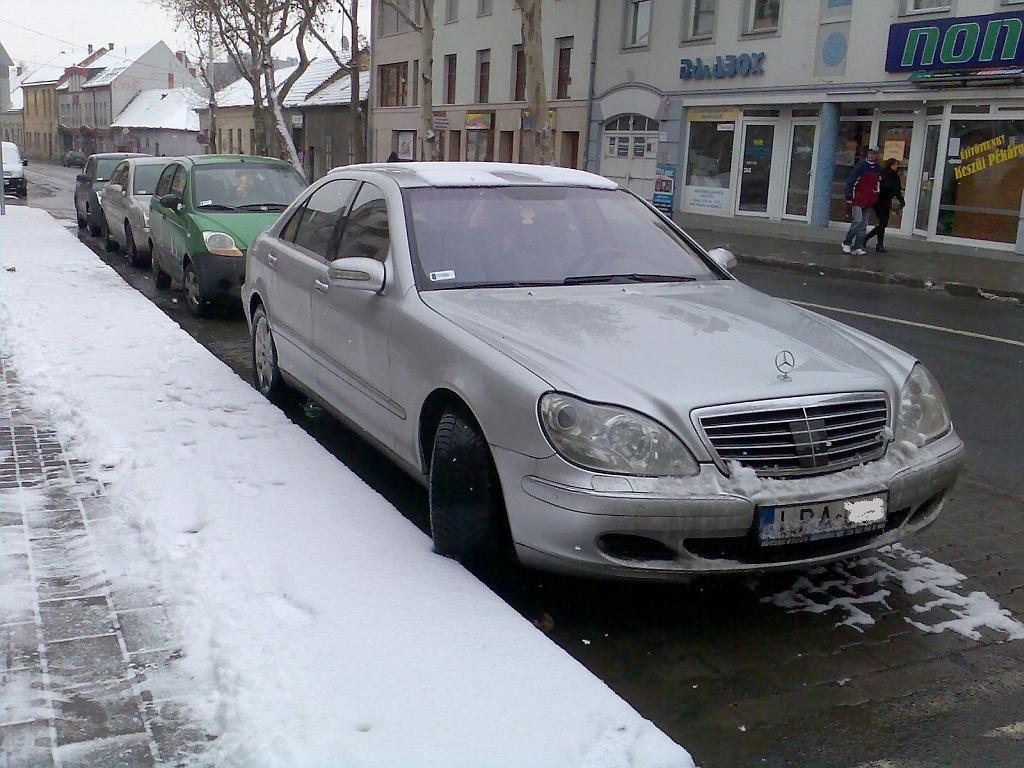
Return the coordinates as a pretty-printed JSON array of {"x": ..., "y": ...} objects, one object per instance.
[{"x": 795, "y": 523}]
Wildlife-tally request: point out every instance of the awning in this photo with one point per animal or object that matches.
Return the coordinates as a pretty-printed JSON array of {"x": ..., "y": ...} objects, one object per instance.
[{"x": 947, "y": 78}]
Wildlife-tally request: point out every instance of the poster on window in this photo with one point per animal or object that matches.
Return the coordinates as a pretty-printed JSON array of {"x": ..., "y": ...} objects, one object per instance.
[
  {"x": 664, "y": 187},
  {"x": 406, "y": 144}
]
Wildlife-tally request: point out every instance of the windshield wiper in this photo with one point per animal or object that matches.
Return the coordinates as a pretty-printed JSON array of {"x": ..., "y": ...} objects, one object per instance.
[
  {"x": 216, "y": 207},
  {"x": 278, "y": 206},
  {"x": 510, "y": 284},
  {"x": 636, "y": 277}
]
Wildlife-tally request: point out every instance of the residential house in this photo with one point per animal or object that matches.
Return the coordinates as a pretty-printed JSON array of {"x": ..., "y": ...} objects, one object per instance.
[
  {"x": 236, "y": 126},
  {"x": 12, "y": 121},
  {"x": 93, "y": 93},
  {"x": 5, "y": 79},
  {"x": 327, "y": 125},
  {"x": 40, "y": 112},
  {"x": 161, "y": 122}
]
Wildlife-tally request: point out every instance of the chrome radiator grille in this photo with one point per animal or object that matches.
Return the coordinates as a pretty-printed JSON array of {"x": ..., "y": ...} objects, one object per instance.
[{"x": 797, "y": 436}]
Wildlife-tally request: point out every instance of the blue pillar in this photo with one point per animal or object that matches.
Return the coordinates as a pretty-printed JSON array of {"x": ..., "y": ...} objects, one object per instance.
[{"x": 828, "y": 126}]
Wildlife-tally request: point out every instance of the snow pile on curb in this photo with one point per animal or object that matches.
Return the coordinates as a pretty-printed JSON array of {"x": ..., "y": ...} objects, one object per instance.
[{"x": 326, "y": 629}]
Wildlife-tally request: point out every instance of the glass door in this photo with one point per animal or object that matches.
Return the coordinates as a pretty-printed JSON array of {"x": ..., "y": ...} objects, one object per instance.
[
  {"x": 924, "y": 200},
  {"x": 894, "y": 141},
  {"x": 801, "y": 162},
  {"x": 755, "y": 176}
]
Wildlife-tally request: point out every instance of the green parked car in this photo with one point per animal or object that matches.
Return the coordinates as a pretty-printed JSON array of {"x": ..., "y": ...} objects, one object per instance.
[{"x": 205, "y": 211}]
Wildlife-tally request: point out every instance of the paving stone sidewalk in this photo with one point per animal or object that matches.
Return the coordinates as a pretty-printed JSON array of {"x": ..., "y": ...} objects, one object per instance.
[{"x": 78, "y": 644}]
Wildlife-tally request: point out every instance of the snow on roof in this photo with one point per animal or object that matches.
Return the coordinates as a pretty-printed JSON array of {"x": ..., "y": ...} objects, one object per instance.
[
  {"x": 483, "y": 175},
  {"x": 116, "y": 61},
  {"x": 53, "y": 70},
  {"x": 171, "y": 108},
  {"x": 317, "y": 73},
  {"x": 239, "y": 93},
  {"x": 338, "y": 92}
]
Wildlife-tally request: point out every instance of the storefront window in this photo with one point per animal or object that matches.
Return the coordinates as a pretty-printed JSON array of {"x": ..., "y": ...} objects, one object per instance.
[
  {"x": 851, "y": 147},
  {"x": 983, "y": 180},
  {"x": 479, "y": 146},
  {"x": 709, "y": 159}
]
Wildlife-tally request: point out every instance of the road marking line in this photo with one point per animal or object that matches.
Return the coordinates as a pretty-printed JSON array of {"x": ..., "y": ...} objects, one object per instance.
[
  {"x": 927, "y": 326},
  {"x": 1011, "y": 731}
]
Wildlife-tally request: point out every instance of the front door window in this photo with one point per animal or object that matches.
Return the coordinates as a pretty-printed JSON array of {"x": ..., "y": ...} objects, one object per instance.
[
  {"x": 755, "y": 176},
  {"x": 801, "y": 161}
]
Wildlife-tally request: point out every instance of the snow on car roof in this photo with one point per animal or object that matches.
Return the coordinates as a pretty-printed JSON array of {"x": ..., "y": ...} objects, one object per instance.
[{"x": 482, "y": 175}]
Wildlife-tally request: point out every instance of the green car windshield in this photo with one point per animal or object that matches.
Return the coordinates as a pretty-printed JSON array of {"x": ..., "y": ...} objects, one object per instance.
[{"x": 245, "y": 187}]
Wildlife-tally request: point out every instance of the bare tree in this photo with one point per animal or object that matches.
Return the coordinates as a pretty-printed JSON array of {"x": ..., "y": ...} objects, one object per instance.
[
  {"x": 425, "y": 26},
  {"x": 538, "y": 146},
  {"x": 198, "y": 22},
  {"x": 318, "y": 10}
]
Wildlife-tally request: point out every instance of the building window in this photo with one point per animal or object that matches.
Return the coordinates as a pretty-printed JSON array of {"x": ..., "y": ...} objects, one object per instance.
[
  {"x": 700, "y": 22},
  {"x": 483, "y": 75},
  {"x": 563, "y": 48},
  {"x": 484, "y": 7},
  {"x": 391, "y": 21},
  {"x": 393, "y": 84},
  {"x": 231, "y": 142},
  {"x": 638, "y": 23},
  {"x": 451, "y": 11},
  {"x": 252, "y": 141},
  {"x": 240, "y": 151},
  {"x": 709, "y": 159},
  {"x": 450, "y": 66},
  {"x": 416, "y": 82},
  {"x": 328, "y": 151},
  {"x": 764, "y": 16},
  {"x": 518, "y": 73},
  {"x": 925, "y": 6}
]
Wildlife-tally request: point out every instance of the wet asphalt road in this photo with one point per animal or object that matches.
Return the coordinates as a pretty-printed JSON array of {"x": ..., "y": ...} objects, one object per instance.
[{"x": 739, "y": 680}]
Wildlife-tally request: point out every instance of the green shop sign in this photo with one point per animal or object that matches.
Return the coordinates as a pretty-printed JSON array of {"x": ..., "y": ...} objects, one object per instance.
[{"x": 968, "y": 42}]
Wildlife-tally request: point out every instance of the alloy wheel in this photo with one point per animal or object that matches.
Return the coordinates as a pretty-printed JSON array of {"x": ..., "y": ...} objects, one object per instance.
[{"x": 263, "y": 350}]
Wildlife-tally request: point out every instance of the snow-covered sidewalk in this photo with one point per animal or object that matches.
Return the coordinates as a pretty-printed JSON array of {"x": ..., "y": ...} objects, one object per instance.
[{"x": 316, "y": 617}]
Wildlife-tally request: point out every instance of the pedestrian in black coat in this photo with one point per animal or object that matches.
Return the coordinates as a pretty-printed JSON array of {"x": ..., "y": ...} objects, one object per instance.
[{"x": 889, "y": 189}]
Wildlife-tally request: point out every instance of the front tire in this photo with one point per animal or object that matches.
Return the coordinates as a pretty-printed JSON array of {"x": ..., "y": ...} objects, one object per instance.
[
  {"x": 265, "y": 373},
  {"x": 194, "y": 300},
  {"x": 468, "y": 521}
]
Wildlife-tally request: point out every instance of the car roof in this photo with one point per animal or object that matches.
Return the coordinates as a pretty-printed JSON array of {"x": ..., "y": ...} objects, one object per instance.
[
  {"x": 218, "y": 159},
  {"x": 116, "y": 155},
  {"x": 149, "y": 160},
  {"x": 445, "y": 174}
]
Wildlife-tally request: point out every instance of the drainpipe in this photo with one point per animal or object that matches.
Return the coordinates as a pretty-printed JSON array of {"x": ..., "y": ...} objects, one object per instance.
[{"x": 590, "y": 87}]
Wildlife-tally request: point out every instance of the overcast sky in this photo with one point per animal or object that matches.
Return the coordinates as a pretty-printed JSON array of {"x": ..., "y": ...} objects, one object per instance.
[{"x": 64, "y": 25}]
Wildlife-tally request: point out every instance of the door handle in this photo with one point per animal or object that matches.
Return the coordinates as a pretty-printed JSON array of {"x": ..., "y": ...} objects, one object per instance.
[
  {"x": 321, "y": 286},
  {"x": 271, "y": 259}
]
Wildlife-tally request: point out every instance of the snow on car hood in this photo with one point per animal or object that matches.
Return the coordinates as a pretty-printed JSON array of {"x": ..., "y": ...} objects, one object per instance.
[{"x": 665, "y": 349}]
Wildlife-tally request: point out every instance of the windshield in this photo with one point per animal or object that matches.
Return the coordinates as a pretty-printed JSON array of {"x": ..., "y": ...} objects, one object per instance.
[
  {"x": 245, "y": 187},
  {"x": 146, "y": 177},
  {"x": 105, "y": 166},
  {"x": 530, "y": 235}
]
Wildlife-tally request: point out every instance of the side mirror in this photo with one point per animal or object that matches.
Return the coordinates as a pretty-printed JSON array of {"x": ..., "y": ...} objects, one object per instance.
[
  {"x": 723, "y": 257},
  {"x": 82, "y": 178},
  {"x": 357, "y": 272},
  {"x": 114, "y": 189},
  {"x": 171, "y": 201},
  {"x": 24, "y": 162}
]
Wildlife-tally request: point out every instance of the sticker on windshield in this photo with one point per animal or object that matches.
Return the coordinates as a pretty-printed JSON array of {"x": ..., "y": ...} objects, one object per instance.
[
  {"x": 445, "y": 274},
  {"x": 205, "y": 202}
]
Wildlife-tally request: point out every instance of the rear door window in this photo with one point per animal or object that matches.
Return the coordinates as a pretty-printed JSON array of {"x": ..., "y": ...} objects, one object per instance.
[
  {"x": 366, "y": 231},
  {"x": 323, "y": 217}
]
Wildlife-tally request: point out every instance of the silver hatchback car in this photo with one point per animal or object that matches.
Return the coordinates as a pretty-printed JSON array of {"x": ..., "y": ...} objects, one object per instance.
[
  {"x": 577, "y": 381},
  {"x": 125, "y": 205}
]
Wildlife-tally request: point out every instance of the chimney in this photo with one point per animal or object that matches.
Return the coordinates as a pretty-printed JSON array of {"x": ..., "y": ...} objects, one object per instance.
[
  {"x": 180, "y": 56},
  {"x": 18, "y": 70},
  {"x": 192, "y": 71},
  {"x": 110, "y": 46},
  {"x": 90, "y": 49}
]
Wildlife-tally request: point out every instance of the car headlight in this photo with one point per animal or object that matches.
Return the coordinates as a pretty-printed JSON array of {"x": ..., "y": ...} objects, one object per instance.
[
  {"x": 221, "y": 244},
  {"x": 609, "y": 439},
  {"x": 922, "y": 415}
]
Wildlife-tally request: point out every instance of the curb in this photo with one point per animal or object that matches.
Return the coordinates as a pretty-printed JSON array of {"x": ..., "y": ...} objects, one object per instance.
[{"x": 889, "y": 278}]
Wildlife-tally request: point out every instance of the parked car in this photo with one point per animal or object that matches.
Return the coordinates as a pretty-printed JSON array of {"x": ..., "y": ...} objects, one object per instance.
[
  {"x": 206, "y": 210},
  {"x": 74, "y": 158},
  {"x": 125, "y": 206},
  {"x": 13, "y": 169},
  {"x": 572, "y": 376},
  {"x": 89, "y": 188}
]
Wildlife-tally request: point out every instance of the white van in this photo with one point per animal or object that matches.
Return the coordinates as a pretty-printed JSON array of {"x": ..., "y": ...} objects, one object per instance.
[{"x": 14, "y": 169}]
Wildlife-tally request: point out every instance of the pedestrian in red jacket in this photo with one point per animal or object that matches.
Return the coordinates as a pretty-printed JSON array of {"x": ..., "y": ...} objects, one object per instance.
[{"x": 861, "y": 193}]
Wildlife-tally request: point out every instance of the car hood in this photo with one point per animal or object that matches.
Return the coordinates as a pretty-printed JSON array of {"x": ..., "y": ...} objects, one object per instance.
[
  {"x": 14, "y": 168},
  {"x": 242, "y": 226},
  {"x": 665, "y": 349}
]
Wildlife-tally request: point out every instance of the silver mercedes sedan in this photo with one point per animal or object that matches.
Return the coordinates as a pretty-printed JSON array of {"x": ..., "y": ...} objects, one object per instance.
[{"x": 579, "y": 383}]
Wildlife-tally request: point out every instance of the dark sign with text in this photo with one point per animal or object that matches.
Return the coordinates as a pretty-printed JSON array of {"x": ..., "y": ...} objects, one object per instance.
[{"x": 968, "y": 42}]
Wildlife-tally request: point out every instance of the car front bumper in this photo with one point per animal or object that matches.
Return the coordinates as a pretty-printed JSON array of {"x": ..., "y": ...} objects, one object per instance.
[
  {"x": 15, "y": 184},
  {"x": 565, "y": 519},
  {"x": 220, "y": 277}
]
